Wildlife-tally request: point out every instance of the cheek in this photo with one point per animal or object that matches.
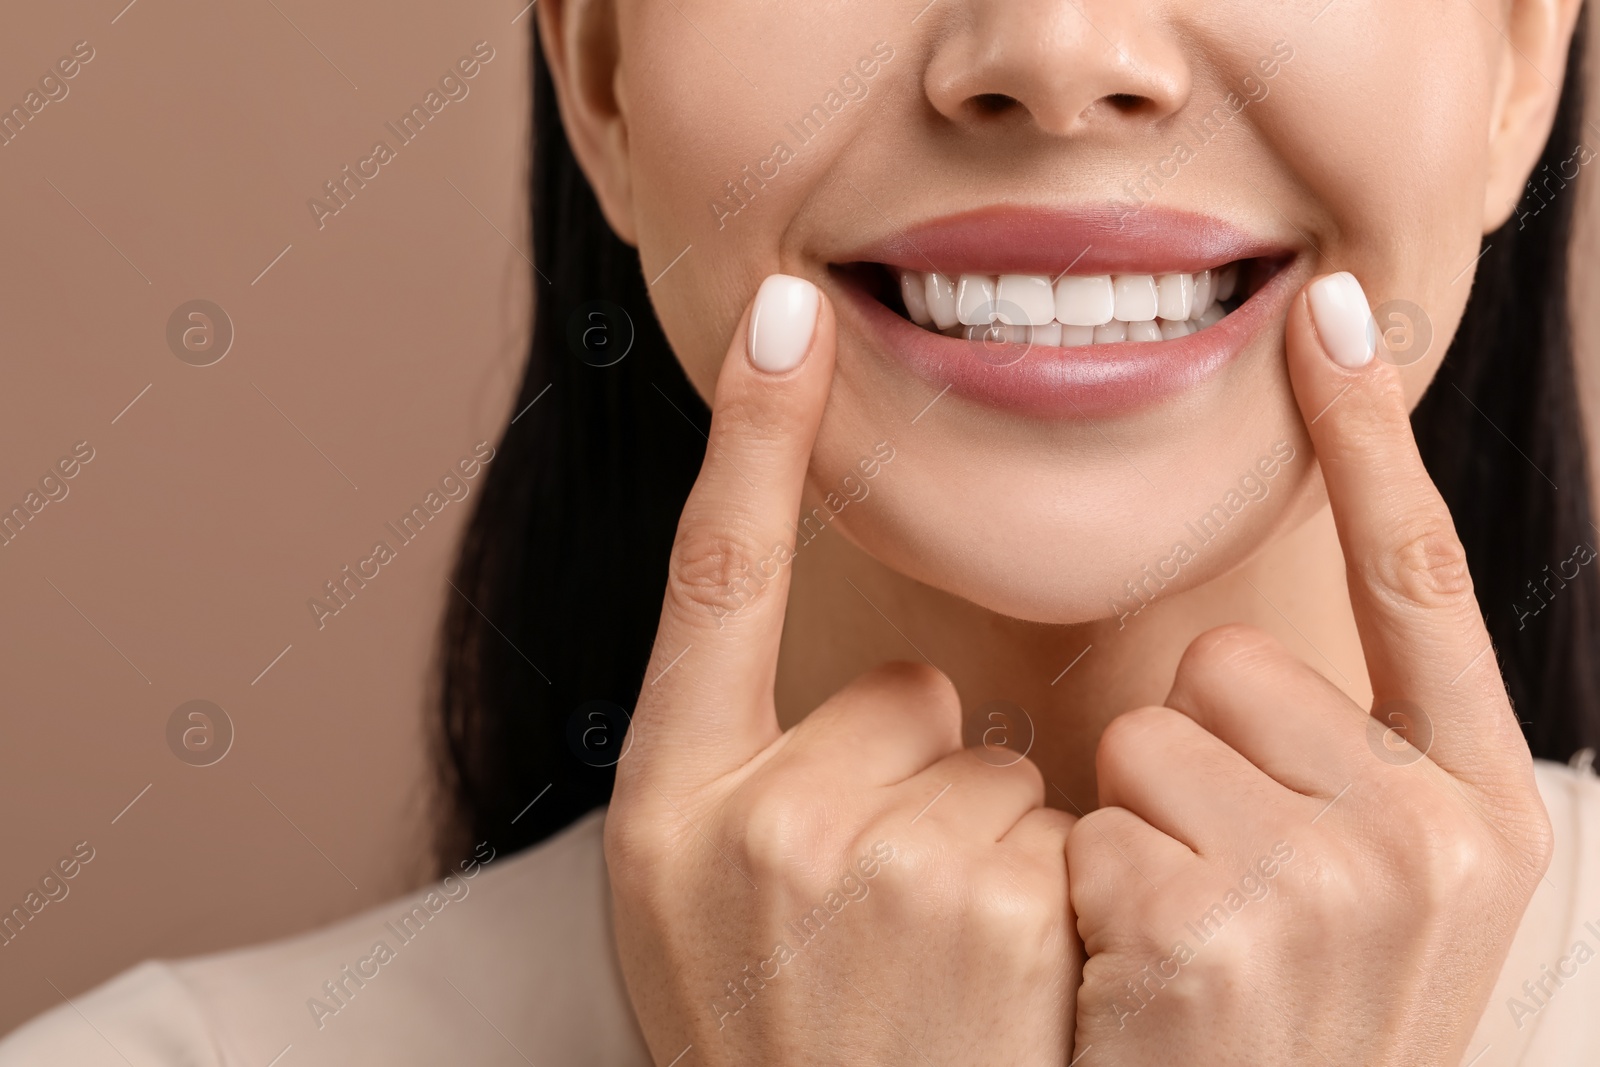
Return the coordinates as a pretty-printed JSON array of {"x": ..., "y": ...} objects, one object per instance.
[
  {"x": 1391, "y": 152},
  {"x": 680, "y": 160},
  {"x": 721, "y": 161}
]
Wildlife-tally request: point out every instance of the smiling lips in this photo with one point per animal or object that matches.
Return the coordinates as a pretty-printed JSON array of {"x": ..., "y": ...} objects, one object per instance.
[{"x": 1059, "y": 315}]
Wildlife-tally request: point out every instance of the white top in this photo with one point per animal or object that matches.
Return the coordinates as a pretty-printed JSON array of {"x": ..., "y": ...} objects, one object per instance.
[{"x": 515, "y": 965}]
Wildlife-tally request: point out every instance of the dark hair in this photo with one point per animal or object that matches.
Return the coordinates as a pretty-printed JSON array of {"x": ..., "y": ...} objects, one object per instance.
[
  {"x": 562, "y": 569},
  {"x": 1502, "y": 434}
]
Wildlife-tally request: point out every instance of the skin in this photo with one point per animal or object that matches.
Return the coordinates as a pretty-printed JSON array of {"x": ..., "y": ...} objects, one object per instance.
[
  {"x": 960, "y": 930},
  {"x": 1398, "y": 135}
]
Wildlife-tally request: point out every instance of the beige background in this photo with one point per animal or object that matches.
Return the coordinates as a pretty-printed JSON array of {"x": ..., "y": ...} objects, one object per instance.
[
  {"x": 191, "y": 543},
  {"x": 369, "y": 358}
]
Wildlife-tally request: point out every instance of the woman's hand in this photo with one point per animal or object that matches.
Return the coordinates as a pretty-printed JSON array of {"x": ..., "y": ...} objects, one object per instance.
[
  {"x": 859, "y": 889},
  {"x": 1275, "y": 875}
]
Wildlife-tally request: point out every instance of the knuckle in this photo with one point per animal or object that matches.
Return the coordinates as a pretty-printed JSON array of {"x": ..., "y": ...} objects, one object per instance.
[
  {"x": 1097, "y": 831},
  {"x": 635, "y": 835},
  {"x": 713, "y": 569},
  {"x": 1129, "y": 728},
  {"x": 1040, "y": 840},
  {"x": 924, "y": 698},
  {"x": 918, "y": 872},
  {"x": 1518, "y": 822},
  {"x": 782, "y": 834},
  {"x": 1336, "y": 906},
  {"x": 1084, "y": 848},
  {"x": 626, "y": 849},
  {"x": 1125, "y": 741},
  {"x": 1100, "y": 877},
  {"x": 1226, "y": 646},
  {"x": 1108, "y": 980},
  {"x": 1128, "y": 939},
  {"x": 639, "y": 856},
  {"x": 1427, "y": 567},
  {"x": 1441, "y": 852},
  {"x": 1456, "y": 860},
  {"x": 1538, "y": 839},
  {"x": 1152, "y": 919},
  {"x": 1145, "y": 965},
  {"x": 922, "y": 682},
  {"x": 1029, "y": 777},
  {"x": 1326, "y": 889},
  {"x": 1220, "y": 956},
  {"x": 1019, "y": 902},
  {"x": 1189, "y": 1000},
  {"x": 1001, "y": 782},
  {"x": 932, "y": 880}
]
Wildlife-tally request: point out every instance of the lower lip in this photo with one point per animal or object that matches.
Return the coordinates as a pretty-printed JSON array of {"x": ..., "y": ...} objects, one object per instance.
[{"x": 1088, "y": 381}]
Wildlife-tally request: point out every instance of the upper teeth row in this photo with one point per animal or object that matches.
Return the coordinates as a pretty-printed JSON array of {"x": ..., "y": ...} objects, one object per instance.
[{"x": 1072, "y": 300}]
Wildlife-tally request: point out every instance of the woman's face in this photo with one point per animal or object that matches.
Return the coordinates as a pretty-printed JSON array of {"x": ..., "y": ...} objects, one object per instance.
[{"x": 1089, "y": 160}]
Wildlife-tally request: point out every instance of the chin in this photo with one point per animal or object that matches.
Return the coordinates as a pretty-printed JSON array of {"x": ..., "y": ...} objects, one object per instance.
[{"x": 1035, "y": 564}]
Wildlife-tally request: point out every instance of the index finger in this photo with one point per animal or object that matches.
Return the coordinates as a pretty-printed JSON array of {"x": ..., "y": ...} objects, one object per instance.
[
  {"x": 1421, "y": 628},
  {"x": 706, "y": 705}
]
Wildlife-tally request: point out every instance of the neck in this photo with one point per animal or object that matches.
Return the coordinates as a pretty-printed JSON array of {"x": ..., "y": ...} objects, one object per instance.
[{"x": 1059, "y": 683}]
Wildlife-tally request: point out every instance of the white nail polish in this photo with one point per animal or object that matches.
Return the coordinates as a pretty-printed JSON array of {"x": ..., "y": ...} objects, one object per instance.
[
  {"x": 782, "y": 323},
  {"x": 1344, "y": 320}
]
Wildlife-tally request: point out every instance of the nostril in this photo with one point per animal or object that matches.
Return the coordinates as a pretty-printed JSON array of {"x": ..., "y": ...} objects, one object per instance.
[
  {"x": 993, "y": 103},
  {"x": 1125, "y": 102}
]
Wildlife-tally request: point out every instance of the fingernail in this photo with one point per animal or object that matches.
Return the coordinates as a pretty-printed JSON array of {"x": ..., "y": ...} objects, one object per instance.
[
  {"x": 1344, "y": 320},
  {"x": 782, "y": 323}
]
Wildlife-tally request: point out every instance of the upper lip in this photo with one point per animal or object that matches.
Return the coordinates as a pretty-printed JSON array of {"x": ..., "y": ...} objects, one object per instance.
[{"x": 1013, "y": 239}]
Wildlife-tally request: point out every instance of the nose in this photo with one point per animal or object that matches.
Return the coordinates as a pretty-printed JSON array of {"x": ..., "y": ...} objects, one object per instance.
[{"x": 1070, "y": 67}]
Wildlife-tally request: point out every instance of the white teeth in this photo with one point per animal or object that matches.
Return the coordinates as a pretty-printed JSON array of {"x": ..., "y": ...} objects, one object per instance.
[
  {"x": 1088, "y": 301},
  {"x": 941, "y": 300},
  {"x": 914, "y": 291},
  {"x": 1115, "y": 330},
  {"x": 1076, "y": 336},
  {"x": 1072, "y": 310},
  {"x": 1026, "y": 299},
  {"x": 1135, "y": 297},
  {"x": 1227, "y": 282},
  {"x": 1145, "y": 330},
  {"x": 1203, "y": 285},
  {"x": 975, "y": 299},
  {"x": 1175, "y": 296}
]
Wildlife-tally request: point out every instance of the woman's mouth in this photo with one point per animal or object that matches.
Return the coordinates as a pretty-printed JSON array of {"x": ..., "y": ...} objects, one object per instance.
[
  {"x": 1132, "y": 316},
  {"x": 1074, "y": 310}
]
